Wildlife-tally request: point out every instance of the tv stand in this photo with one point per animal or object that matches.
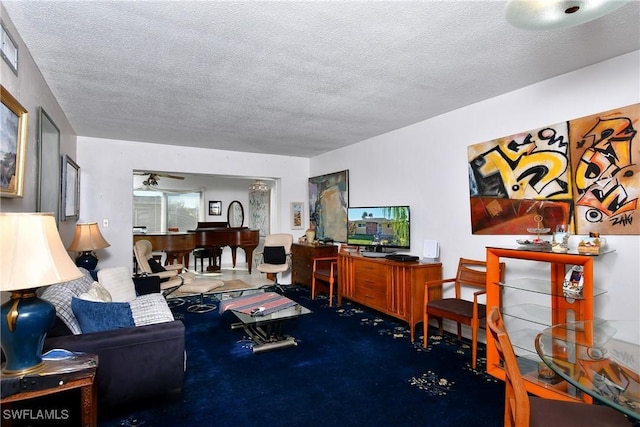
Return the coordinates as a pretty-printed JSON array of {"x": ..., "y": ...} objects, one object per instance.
[{"x": 392, "y": 287}]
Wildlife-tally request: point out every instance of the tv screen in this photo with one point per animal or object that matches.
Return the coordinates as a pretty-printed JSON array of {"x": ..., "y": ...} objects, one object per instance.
[{"x": 381, "y": 226}]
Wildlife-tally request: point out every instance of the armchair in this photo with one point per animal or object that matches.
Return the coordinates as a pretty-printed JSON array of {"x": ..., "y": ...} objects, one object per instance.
[
  {"x": 471, "y": 273},
  {"x": 171, "y": 276},
  {"x": 276, "y": 256}
]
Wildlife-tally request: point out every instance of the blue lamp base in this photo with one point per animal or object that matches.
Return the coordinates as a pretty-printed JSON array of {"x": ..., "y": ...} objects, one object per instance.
[
  {"x": 87, "y": 260},
  {"x": 25, "y": 321}
]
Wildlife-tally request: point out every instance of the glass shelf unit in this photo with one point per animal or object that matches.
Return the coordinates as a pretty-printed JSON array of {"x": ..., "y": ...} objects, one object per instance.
[{"x": 525, "y": 320}]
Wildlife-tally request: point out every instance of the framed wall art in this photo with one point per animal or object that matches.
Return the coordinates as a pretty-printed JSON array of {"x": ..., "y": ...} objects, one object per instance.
[
  {"x": 215, "y": 208},
  {"x": 9, "y": 49},
  {"x": 581, "y": 172},
  {"x": 70, "y": 189},
  {"x": 328, "y": 203},
  {"x": 48, "y": 165},
  {"x": 297, "y": 215},
  {"x": 13, "y": 145}
]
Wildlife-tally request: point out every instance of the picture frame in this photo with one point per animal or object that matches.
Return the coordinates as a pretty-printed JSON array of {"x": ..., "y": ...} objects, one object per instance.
[
  {"x": 328, "y": 203},
  {"x": 70, "y": 189},
  {"x": 215, "y": 207},
  {"x": 48, "y": 140},
  {"x": 13, "y": 145},
  {"x": 297, "y": 215},
  {"x": 9, "y": 51}
]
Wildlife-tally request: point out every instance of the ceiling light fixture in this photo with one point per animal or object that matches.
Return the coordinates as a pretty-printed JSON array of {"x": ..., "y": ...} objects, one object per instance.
[
  {"x": 554, "y": 14},
  {"x": 259, "y": 186}
]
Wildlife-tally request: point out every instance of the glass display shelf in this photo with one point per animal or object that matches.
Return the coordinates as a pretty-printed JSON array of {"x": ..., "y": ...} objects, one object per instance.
[
  {"x": 543, "y": 286},
  {"x": 528, "y": 366},
  {"x": 523, "y": 341},
  {"x": 534, "y": 313},
  {"x": 547, "y": 249}
]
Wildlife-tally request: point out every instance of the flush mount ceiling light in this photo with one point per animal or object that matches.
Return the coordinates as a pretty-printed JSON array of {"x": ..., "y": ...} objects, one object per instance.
[{"x": 553, "y": 14}]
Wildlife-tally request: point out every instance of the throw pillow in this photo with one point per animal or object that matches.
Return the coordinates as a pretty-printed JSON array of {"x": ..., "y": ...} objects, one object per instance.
[
  {"x": 96, "y": 293},
  {"x": 149, "y": 309},
  {"x": 118, "y": 282},
  {"x": 60, "y": 296},
  {"x": 155, "y": 266},
  {"x": 101, "y": 316},
  {"x": 274, "y": 255}
]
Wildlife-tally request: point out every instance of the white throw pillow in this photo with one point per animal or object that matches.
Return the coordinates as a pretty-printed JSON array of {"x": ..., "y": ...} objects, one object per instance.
[
  {"x": 149, "y": 309},
  {"x": 118, "y": 282},
  {"x": 96, "y": 293}
]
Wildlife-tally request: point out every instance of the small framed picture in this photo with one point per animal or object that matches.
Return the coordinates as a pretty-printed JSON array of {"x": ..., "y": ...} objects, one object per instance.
[
  {"x": 70, "y": 189},
  {"x": 215, "y": 208},
  {"x": 297, "y": 215}
]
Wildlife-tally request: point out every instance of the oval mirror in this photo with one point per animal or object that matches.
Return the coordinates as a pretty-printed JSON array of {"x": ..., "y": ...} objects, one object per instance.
[{"x": 235, "y": 214}]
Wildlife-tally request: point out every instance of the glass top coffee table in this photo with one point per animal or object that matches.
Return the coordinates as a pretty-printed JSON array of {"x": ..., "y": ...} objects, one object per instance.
[{"x": 263, "y": 317}]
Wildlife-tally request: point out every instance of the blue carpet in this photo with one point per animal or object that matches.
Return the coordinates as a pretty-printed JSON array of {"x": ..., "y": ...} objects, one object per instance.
[{"x": 352, "y": 366}]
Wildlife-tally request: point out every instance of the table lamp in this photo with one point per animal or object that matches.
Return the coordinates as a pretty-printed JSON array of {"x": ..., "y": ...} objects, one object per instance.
[
  {"x": 86, "y": 240},
  {"x": 31, "y": 256}
]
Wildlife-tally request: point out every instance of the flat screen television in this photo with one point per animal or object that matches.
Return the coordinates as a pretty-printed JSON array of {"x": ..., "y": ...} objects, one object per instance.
[{"x": 379, "y": 227}]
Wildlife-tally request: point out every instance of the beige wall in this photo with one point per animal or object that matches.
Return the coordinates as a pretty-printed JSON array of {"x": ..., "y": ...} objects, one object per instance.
[{"x": 31, "y": 90}]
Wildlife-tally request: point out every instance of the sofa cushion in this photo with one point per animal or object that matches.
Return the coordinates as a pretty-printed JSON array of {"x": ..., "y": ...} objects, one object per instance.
[
  {"x": 101, "y": 316},
  {"x": 118, "y": 282},
  {"x": 60, "y": 296},
  {"x": 149, "y": 309},
  {"x": 96, "y": 293}
]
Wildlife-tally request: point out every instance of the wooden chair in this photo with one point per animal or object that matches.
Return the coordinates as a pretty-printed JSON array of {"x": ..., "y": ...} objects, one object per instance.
[
  {"x": 522, "y": 410},
  {"x": 471, "y": 273},
  {"x": 326, "y": 269}
]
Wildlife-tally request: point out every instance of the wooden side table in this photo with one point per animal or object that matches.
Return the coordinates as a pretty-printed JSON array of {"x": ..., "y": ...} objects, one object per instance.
[{"x": 77, "y": 371}]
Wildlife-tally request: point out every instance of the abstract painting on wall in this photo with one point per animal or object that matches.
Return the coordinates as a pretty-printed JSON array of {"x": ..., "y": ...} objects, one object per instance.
[
  {"x": 584, "y": 172},
  {"x": 328, "y": 202}
]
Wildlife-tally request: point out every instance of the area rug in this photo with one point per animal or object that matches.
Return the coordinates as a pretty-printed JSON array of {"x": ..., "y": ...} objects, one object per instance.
[
  {"x": 233, "y": 285},
  {"x": 352, "y": 366}
]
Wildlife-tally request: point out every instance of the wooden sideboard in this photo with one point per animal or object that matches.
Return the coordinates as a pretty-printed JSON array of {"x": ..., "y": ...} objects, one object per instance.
[
  {"x": 302, "y": 256},
  {"x": 394, "y": 288}
]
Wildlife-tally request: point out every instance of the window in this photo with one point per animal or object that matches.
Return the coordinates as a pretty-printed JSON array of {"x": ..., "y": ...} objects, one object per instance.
[{"x": 159, "y": 210}]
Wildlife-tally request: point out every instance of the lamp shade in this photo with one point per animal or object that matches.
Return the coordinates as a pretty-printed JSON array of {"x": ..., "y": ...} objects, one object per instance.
[
  {"x": 553, "y": 14},
  {"x": 87, "y": 238},
  {"x": 31, "y": 252}
]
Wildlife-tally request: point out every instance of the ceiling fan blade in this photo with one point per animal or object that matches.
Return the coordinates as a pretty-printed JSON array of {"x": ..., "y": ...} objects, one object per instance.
[{"x": 166, "y": 175}]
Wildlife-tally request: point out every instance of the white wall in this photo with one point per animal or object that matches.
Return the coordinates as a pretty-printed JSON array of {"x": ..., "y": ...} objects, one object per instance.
[
  {"x": 425, "y": 166},
  {"x": 107, "y": 177}
]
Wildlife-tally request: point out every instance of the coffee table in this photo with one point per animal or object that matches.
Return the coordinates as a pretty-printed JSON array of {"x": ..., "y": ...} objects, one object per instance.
[{"x": 265, "y": 327}]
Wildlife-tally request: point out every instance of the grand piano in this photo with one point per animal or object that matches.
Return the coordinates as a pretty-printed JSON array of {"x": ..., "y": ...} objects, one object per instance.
[{"x": 207, "y": 235}]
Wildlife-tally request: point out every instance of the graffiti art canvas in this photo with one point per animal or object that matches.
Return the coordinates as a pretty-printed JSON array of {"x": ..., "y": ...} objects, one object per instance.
[
  {"x": 328, "y": 203},
  {"x": 583, "y": 172}
]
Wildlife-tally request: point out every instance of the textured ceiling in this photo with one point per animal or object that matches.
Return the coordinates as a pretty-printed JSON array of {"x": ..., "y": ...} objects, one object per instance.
[{"x": 292, "y": 78}]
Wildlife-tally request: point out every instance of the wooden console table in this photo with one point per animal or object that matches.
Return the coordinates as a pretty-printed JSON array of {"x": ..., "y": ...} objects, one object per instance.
[
  {"x": 392, "y": 287},
  {"x": 302, "y": 256}
]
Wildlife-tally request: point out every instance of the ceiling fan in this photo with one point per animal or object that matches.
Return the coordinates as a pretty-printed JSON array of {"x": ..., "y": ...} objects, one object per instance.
[{"x": 153, "y": 178}]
